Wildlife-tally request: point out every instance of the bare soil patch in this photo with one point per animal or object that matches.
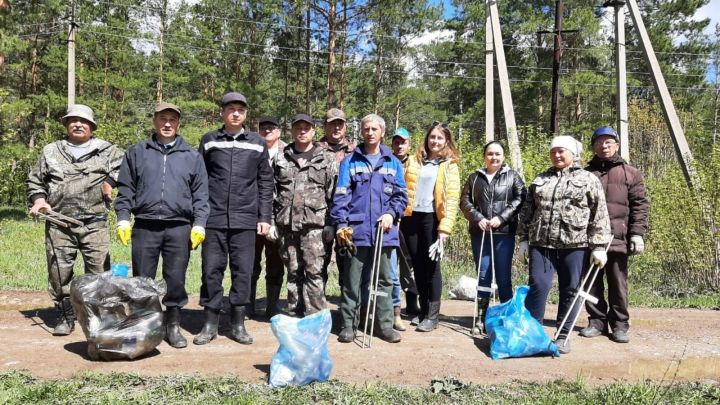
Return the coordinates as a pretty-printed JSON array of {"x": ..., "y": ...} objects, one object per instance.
[{"x": 666, "y": 345}]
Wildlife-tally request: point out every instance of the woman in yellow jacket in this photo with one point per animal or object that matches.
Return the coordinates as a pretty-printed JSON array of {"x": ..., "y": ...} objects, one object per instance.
[{"x": 433, "y": 182}]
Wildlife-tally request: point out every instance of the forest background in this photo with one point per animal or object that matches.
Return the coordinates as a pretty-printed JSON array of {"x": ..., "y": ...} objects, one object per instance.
[{"x": 373, "y": 56}]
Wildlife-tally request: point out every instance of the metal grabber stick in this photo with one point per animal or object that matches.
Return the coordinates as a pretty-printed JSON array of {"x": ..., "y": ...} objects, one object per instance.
[
  {"x": 493, "y": 285},
  {"x": 477, "y": 283},
  {"x": 582, "y": 295},
  {"x": 374, "y": 293}
]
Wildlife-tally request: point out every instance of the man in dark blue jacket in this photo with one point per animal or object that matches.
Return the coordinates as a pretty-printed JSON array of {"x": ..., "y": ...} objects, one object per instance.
[
  {"x": 241, "y": 196},
  {"x": 163, "y": 183},
  {"x": 370, "y": 193}
]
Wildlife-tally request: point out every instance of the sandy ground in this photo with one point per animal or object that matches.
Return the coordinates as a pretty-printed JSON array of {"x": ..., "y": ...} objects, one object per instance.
[{"x": 666, "y": 345}]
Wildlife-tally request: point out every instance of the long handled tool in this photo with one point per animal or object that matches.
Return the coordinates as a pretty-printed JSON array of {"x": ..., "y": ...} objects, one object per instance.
[
  {"x": 374, "y": 293},
  {"x": 582, "y": 295},
  {"x": 493, "y": 286},
  {"x": 59, "y": 219}
]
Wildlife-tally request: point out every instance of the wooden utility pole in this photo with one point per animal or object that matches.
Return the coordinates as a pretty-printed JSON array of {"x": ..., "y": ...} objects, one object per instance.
[
  {"x": 510, "y": 126},
  {"x": 557, "y": 59},
  {"x": 489, "y": 78},
  {"x": 71, "y": 59}
]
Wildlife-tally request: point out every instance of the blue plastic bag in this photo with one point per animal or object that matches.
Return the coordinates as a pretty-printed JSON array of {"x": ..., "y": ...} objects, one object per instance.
[
  {"x": 303, "y": 353},
  {"x": 514, "y": 332},
  {"x": 120, "y": 270}
]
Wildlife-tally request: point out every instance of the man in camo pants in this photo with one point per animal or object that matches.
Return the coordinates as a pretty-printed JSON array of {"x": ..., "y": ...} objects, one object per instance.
[
  {"x": 74, "y": 177},
  {"x": 304, "y": 181}
]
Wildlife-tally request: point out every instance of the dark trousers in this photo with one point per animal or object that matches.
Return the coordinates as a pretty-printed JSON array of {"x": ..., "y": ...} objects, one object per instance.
[
  {"x": 420, "y": 231},
  {"x": 614, "y": 310},
  {"x": 239, "y": 246},
  {"x": 274, "y": 270},
  {"x": 544, "y": 263},
  {"x": 171, "y": 239},
  {"x": 503, "y": 253}
]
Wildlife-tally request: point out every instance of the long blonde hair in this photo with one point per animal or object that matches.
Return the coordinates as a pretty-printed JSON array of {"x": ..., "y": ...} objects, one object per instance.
[{"x": 449, "y": 152}]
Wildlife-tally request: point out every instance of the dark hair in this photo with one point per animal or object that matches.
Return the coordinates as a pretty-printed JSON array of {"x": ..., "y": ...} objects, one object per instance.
[{"x": 498, "y": 143}]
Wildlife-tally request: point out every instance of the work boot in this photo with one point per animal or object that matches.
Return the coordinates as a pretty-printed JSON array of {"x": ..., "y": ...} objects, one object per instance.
[
  {"x": 482, "y": 306},
  {"x": 66, "y": 318},
  {"x": 347, "y": 335},
  {"x": 430, "y": 323},
  {"x": 590, "y": 331},
  {"x": 172, "y": 328},
  {"x": 273, "y": 296},
  {"x": 389, "y": 335},
  {"x": 210, "y": 329},
  {"x": 422, "y": 314},
  {"x": 250, "y": 312},
  {"x": 398, "y": 323},
  {"x": 237, "y": 326},
  {"x": 411, "y": 301},
  {"x": 563, "y": 345},
  {"x": 620, "y": 336}
]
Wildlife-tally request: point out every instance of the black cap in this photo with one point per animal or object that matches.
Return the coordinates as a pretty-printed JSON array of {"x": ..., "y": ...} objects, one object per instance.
[
  {"x": 269, "y": 120},
  {"x": 233, "y": 97},
  {"x": 302, "y": 117}
]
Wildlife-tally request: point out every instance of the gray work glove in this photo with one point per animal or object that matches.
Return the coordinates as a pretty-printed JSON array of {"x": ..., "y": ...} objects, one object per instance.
[
  {"x": 272, "y": 234},
  {"x": 328, "y": 233},
  {"x": 437, "y": 250},
  {"x": 599, "y": 258},
  {"x": 637, "y": 244}
]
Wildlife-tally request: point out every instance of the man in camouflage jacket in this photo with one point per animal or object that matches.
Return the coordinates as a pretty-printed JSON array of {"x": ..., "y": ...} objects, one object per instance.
[
  {"x": 304, "y": 180},
  {"x": 74, "y": 177}
]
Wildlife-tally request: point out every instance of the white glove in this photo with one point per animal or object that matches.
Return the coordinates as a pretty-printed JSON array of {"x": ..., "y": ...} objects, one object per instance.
[
  {"x": 437, "y": 250},
  {"x": 272, "y": 234},
  {"x": 524, "y": 249},
  {"x": 599, "y": 257},
  {"x": 637, "y": 244}
]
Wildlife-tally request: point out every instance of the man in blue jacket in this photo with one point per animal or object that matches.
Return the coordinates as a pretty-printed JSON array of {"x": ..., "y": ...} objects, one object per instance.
[
  {"x": 163, "y": 183},
  {"x": 370, "y": 193},
  {"x": 241, "y": 196}
]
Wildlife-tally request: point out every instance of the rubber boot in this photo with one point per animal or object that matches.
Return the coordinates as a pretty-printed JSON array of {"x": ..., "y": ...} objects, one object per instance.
[
  {"x": 422, "y": 314},
  {"x": 210, "y": 329},
  {"x": 398, "y": 323},
  {"x": 253, "y": 293},
  {"x": 482, "y": 306},
  {"x": 172, "y": 328},
  {"x": 237, "y": 326},
  {"x": 411, "y": 306},
  {"x": 66, "y": 318},
  {"x": 273, "y": 296},
  {"x": 430, "y": 323}
]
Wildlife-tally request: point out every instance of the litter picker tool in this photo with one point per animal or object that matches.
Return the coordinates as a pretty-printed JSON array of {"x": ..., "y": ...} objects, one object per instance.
[
  {"x": 59, "y": 219},
  {"x": 493, "y": 286},
  {"x": 374, "y": 293},
  {"x": 582, "y": 295}
]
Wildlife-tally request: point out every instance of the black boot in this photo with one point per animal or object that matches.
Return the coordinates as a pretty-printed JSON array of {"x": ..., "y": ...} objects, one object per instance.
[
  {"x": 210, "y": 329},
  {"x": 253, "y": 292},
  {"x": 172, "y": 328},
  {"x": 411, "y": 301},
  {"x": 422, "y": 314},
  {"x": 237, "y": 326},
  {"x": 66, "y": 318},
  {"x": 482, "y": 306},
  {"x": 273, "y": 296},
  {"x": 430, "y": 323}
]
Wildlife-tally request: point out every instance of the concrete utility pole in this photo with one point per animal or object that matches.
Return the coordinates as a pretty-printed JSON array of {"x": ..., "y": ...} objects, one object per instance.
[
  {"x": 489, "y": 77},
  {"x": 510, "y": 126},
  {"x": 71, "y": 59},
  {"x": 621, "y": 77}
]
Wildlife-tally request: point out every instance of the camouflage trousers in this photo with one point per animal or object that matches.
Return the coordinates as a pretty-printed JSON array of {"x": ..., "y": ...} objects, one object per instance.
[
  {"x": 302, "y": 253},
  {"x": 61, "y": 248}
]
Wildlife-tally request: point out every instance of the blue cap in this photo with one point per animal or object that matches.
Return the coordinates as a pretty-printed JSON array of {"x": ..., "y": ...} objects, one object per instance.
[
  {"x": 402, "y": 133},
  {"x": 604, "y": 131}
]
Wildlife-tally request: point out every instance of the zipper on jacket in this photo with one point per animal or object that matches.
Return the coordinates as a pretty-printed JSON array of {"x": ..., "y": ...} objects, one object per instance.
[
  {"x": 552, "y": 211},
  {"x": 162, "y": 188}
]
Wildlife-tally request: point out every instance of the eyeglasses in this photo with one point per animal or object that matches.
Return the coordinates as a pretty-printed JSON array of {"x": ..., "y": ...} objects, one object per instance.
[
  {"x": 608, "y": 143},
  {"x": 438, "y": 123},
  {"x": 268, "y": 128}
]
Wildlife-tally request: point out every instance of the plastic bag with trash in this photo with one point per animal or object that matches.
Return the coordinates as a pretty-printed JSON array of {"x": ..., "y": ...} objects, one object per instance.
[
  {"x": 465, "y": 289},
  {"x": 514, "y": 332},
  {"x": 121, "y": 317},
  {"x": 303, "y": 353}
]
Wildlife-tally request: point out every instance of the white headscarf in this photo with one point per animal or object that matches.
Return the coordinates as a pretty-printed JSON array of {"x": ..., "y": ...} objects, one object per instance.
[{"x": 569, "y": 143}]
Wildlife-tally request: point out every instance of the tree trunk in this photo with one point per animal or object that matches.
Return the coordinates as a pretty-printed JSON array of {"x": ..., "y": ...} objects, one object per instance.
[
  {"x": 161, "y": 43},
  {"x": 343, "y": 46},
  {"x": 33, "y": 69},
  {"x": 378, "y": 77},
  {"x": 332, "y": 37},
  {"x": 106, "y": 90},
  {"x": 307, "y": 57}
]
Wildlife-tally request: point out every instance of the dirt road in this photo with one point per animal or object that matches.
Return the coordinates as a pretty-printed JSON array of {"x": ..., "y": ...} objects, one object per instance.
[{"x": 665, "y": 345}]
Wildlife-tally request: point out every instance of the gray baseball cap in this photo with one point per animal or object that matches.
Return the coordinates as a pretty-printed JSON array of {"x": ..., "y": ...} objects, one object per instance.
[
  {"x": 80, "y": 111},
  {"x": 233, "y": 97}
]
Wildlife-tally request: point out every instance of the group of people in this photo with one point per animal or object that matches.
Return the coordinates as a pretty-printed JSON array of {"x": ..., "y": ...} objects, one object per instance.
[{"x": 242, "y": 193}]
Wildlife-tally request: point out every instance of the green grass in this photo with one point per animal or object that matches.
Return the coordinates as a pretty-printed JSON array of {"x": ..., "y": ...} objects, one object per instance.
[
  {"x": 23, "y": 266},
  {"x": 20, "y": 388}
]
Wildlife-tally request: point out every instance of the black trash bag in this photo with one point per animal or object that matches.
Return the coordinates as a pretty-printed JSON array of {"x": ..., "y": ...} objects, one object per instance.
[{"x": 121, "y": 317}]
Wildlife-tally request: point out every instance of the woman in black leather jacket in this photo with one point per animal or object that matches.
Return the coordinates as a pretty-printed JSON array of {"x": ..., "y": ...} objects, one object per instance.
[{"x": 491, "y": 200}]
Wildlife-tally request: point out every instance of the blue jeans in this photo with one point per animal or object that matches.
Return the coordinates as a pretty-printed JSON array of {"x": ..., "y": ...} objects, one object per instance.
[
  {"x": 503, "y": 251},
  {"x": 544, "y": 263},
  {"x": 394, "y": 275}
]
